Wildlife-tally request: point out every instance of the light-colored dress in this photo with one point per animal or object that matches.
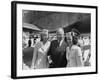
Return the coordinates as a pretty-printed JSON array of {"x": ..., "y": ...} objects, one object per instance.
[
  {"x": 74, "y": 57},
  {"x": 41, "y": 50}
]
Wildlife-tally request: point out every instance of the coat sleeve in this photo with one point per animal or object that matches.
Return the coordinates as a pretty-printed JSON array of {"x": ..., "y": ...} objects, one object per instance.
[
  {"x": 78, "y": 54},
  {"x": 44, "y": 49},
  {"x": 35, "y": 55},
  {"x": 49, "y": 53}
]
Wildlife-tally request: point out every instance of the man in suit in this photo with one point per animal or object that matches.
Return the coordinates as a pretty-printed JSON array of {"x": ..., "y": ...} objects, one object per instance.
[{"x": 57, "y": 51}]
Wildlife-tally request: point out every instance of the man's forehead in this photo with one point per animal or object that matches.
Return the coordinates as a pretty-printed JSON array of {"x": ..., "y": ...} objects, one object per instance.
[{"x": 60, "y": 30}]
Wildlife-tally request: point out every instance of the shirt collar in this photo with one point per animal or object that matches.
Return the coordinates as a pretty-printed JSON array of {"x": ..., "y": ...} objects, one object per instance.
[{"x": 61, "y": 42}]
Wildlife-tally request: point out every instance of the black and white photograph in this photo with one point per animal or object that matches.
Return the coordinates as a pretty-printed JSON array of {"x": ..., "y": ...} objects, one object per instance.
[{"x": 54, "y": 40}]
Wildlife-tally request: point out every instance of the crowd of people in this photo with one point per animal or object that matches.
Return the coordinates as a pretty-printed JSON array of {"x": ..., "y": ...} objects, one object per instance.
[
  {"x": 64, "y": 50},
  {"x": 30, "y": 40}
]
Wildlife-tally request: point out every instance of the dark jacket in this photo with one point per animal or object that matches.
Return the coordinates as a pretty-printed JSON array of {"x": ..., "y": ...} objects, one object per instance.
[{"x": 58, "y": 54}]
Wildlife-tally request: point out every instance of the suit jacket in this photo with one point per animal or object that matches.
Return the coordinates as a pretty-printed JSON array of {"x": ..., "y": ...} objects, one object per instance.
[{"x": 58, "y": 54}]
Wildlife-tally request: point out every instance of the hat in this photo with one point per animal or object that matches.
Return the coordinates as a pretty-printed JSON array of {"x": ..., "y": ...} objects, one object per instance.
[{"x": 77, "y": 33}]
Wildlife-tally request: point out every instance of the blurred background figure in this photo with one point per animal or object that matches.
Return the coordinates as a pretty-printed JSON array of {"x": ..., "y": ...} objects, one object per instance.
[
  {"x": 29, "y": 42},
  {"x": 25, "y": 38},
  {"x": 87, "y": 51},
  {"x": 75, "y": 32},
  {"x": 80, "y": 42}
]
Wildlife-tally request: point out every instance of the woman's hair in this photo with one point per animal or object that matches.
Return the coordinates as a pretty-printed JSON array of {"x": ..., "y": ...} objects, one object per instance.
[
  {"x": 44, "y": 31},
  {"x": 41, "y": 37},
  {"x": 65, "y": 38},
  {"x": 75, "y": 40}
]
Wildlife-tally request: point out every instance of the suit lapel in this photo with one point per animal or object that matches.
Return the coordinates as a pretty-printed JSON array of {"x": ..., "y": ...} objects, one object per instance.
[{"x": 62, "y": 43}]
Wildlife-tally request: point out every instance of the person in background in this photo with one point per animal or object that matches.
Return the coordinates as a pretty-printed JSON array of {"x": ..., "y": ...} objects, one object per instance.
[
  {"x": 87, "y": 54},
  {"x": 29, "y": 42},
  {"x": 89, "y": 40},
  {"x": 75, "y": 54},
  {"x": 75, "y": 32},
  {"x": 80, "y": 42},
  {"x": 40, "y": 58},
  {"x": 88, "y": 59},
  {"x": 57, "y": 51}
]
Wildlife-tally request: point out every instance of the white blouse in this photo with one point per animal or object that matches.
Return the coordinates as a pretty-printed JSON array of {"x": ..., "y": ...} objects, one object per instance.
[{"x": 75, "y": 57}]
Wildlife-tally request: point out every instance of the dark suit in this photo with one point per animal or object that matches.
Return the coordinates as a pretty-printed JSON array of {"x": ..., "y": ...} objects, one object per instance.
[{"x": 58, "y": 54}]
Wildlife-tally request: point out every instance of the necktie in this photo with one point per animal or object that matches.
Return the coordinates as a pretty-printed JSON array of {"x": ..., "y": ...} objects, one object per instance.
[{"x": 58, "y": 43}]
